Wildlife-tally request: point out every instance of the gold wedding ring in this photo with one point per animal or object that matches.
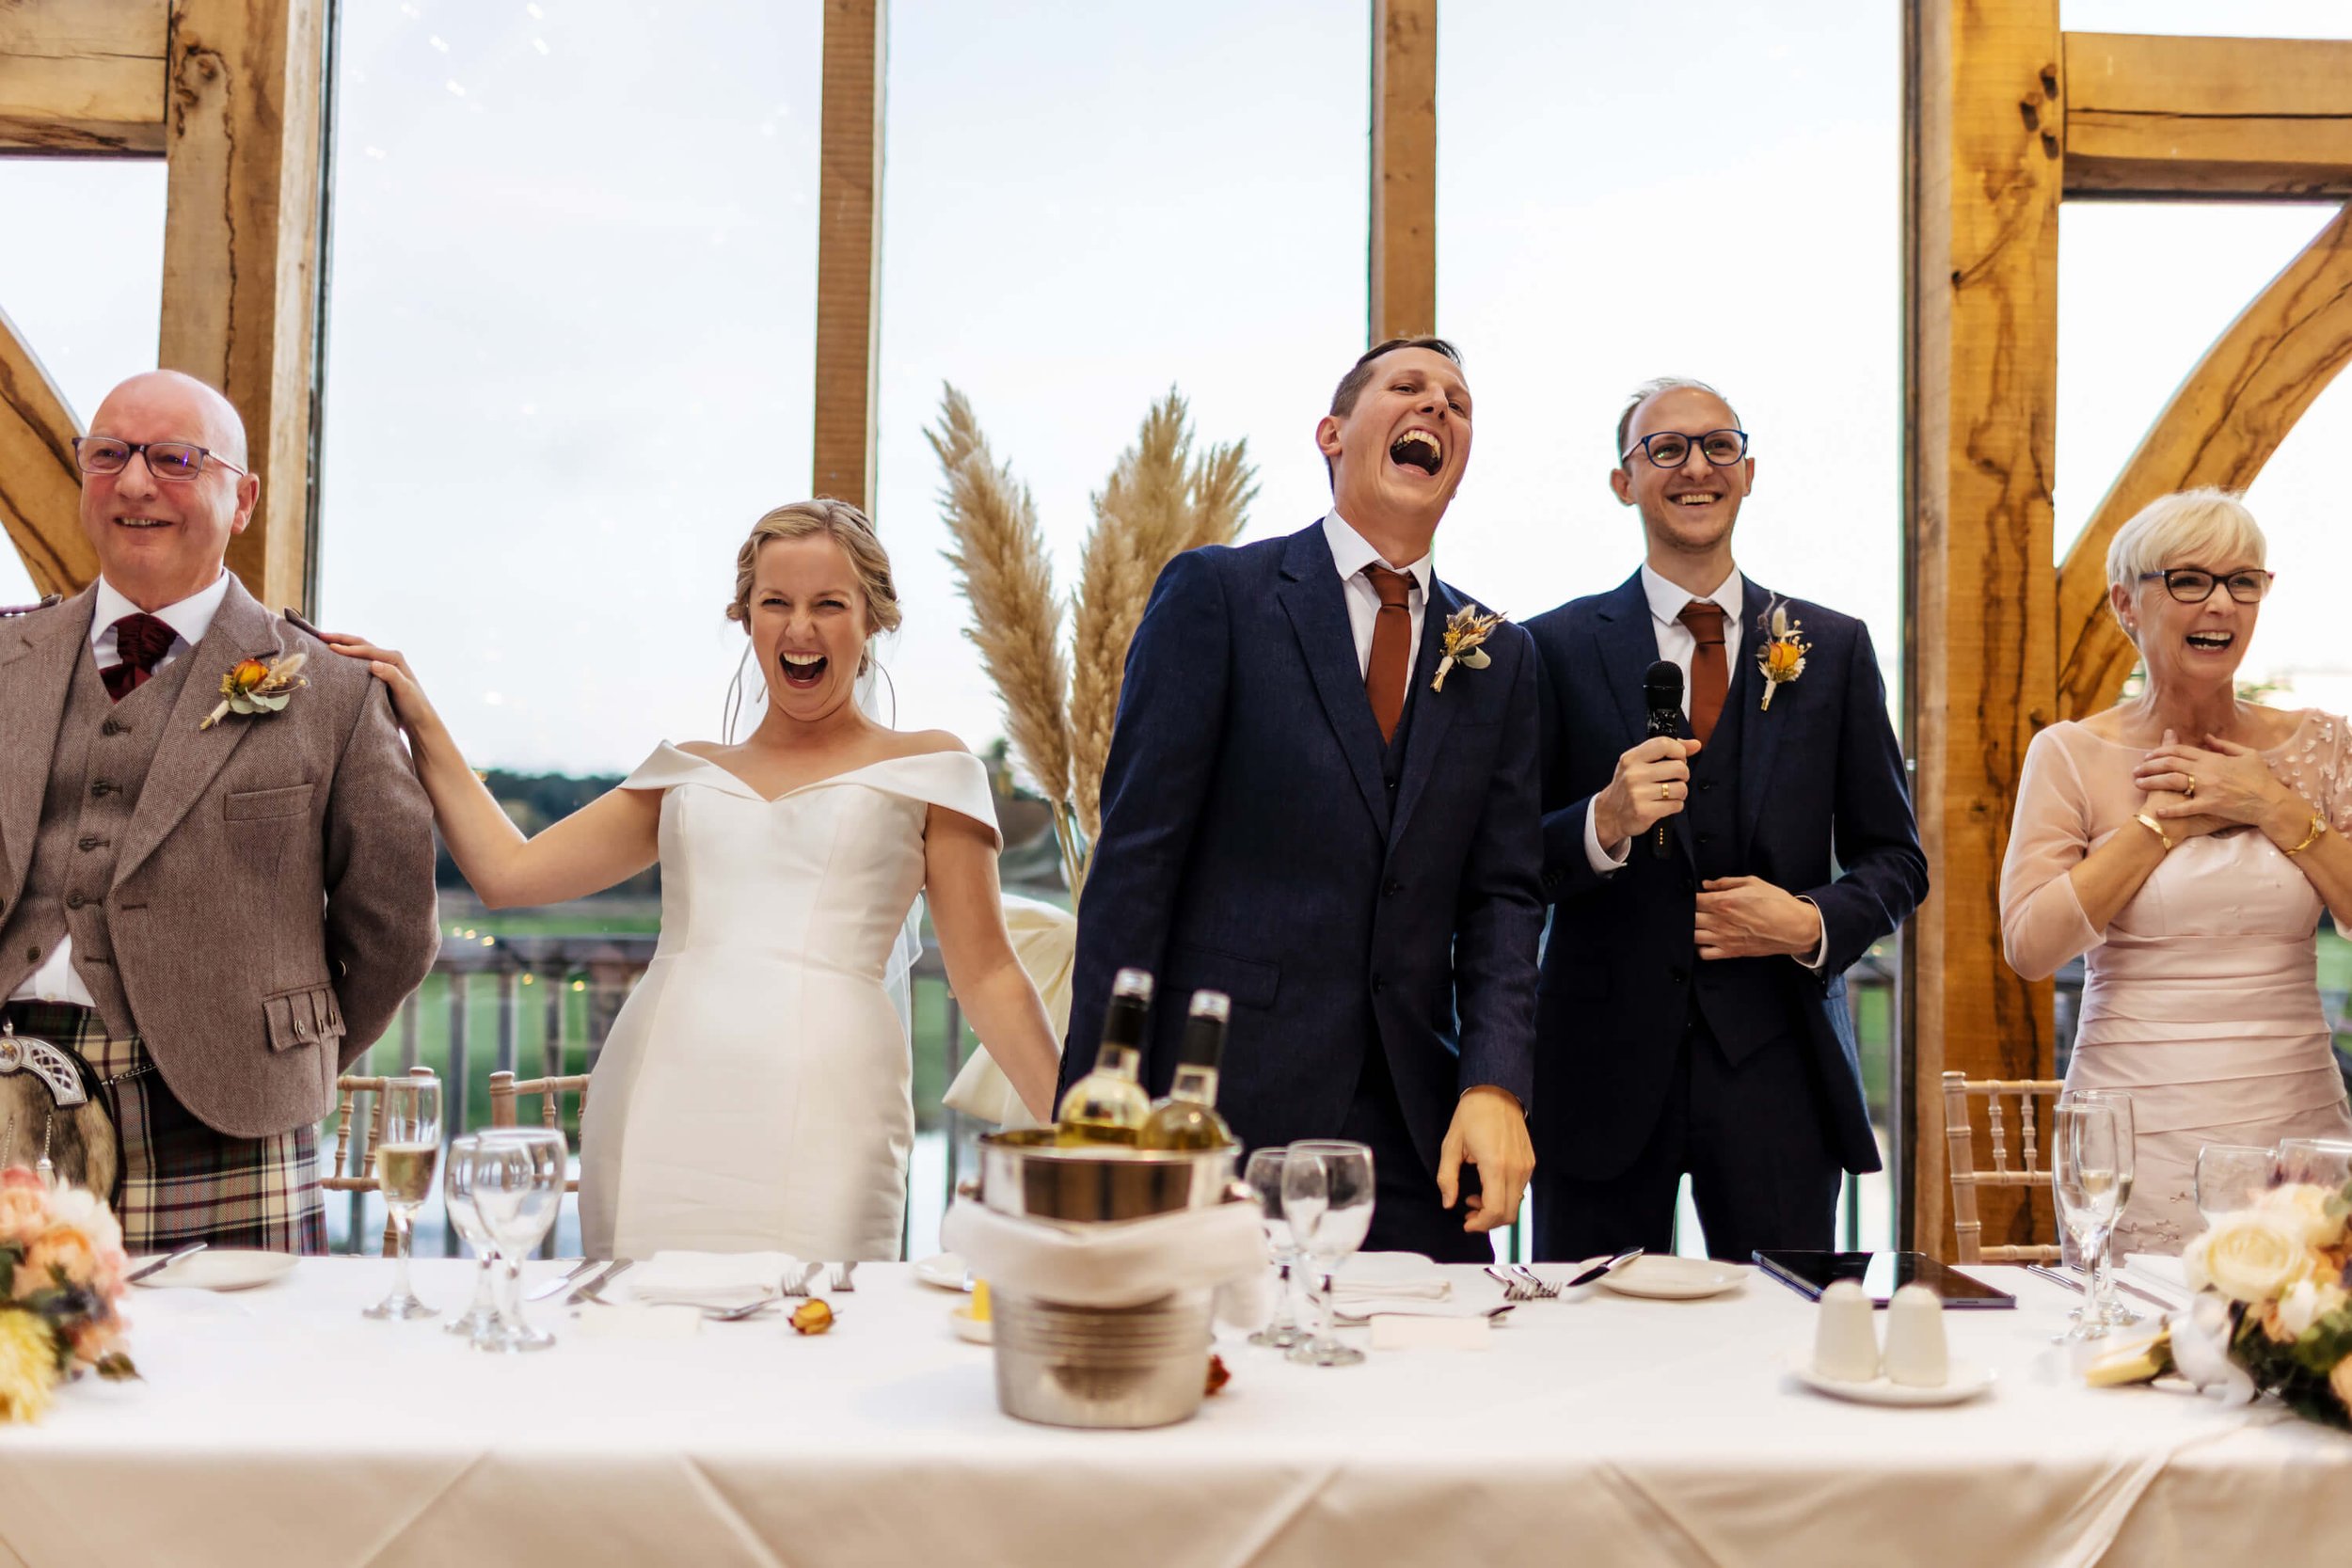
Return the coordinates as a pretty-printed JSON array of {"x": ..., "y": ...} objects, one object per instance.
[
  {"x": 1665, "y": 792},
  {"x": 2189, "y": 791}
]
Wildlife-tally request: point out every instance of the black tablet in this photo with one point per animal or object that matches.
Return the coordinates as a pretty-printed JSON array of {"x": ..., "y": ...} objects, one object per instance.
[{"x": 1880, "y": 1274}]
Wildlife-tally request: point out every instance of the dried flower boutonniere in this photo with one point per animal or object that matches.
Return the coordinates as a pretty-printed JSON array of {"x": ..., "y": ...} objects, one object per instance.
[
  {"x": 1466, "y": 633},
  {"x": 1781, "y": 656},
  {"x": 255, "y": 686}
]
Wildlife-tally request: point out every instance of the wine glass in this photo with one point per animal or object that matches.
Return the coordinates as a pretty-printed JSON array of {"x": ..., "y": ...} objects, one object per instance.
[
  {"x": 2103, "y": 1297},
  {"x": 457, "y": 1198},
  {"x": 2228, "y": 1176},
  {"x": 407, "y": 1146},
  {"x": 2317, "y": 1162},
  {"x": 1265, "y": 1175},
  {"x": 2085, "y": 1143},
  {"x": 1327, "y": 1200},
  {"x": 515, "y": 1180}
]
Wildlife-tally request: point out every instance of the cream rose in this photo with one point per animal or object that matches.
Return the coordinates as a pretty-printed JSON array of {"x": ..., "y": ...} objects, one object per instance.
[
  {"x": 2307, "y": 1208},
  {"x": 2252, "y": 1256},
  {"x": 2306, "y": 1302}
]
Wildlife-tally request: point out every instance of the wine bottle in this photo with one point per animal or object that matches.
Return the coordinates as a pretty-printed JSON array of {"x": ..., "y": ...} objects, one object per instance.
[
  {"x": 1108, "y": 1105},
  {"x": 1188, "y": 1118}
]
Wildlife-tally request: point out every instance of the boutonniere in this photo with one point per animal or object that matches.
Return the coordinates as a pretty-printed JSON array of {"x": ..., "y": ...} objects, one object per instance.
[
  {"x": 1780, "y": 658},
  {"x": 255, "y": 686},
  {"x": 1466, "y": 633}
]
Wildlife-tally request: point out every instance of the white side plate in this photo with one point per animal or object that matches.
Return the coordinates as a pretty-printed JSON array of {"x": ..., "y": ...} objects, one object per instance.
[
  {"x": 946, "y": 1270},
  {"x": 978, "y": 1331},
  {"x": 1665, "y": 1278},
  {"x": 219, "y": 1269},
  {"x": 1966, "y": 1382}
]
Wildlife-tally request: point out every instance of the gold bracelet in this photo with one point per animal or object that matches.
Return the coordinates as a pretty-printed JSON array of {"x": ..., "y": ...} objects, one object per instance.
[
  {"x": 2157, "y": 827},
  {"x": 2319, "y": 829}
]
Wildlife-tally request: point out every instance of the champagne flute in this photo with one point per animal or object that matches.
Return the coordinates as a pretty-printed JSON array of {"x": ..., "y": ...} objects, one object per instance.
[
  {"x": 1265, "y": 1175},
  {"x": 457, "y": 1198},
  {"x": 2315, "y": 1161},
  {"x": 2102, "y": 1296},
  {"x": 406, "y": 1150},
  {"x": 1326, "y": 1198},
  {"x": 2084, "y": 1148},
  {"x": 2228, "y": 1176},
  {"x": 516, "y": 1181}
]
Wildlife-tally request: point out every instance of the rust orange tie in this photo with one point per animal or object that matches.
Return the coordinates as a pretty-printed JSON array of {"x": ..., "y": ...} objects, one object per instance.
[
  {"x": 1387, "y": 670},
  {"x": 1710, "y": 675}
]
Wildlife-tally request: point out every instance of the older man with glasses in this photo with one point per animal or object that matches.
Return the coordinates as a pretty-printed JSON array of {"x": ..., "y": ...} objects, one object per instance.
[
  {"x": 215, "y": 864},
  {"x": 1717, "y": 855}
]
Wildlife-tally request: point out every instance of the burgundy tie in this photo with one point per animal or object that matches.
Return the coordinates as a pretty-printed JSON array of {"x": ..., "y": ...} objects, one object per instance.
[
  {"x": 140, "y": 640},
  {"x": 1710, "y": 676}
]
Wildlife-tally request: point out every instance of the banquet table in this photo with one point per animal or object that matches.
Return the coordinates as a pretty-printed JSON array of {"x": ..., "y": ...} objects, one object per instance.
[{"x": 275, "y": 1425}]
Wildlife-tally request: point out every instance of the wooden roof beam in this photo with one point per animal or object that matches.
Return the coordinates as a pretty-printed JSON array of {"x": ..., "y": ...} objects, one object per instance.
[
  {"x": 1403, "y": 283},
  {"x": 2207, "y": 119},
  {"x": 83, "y": 76},
  {"x": 40, "y": 490},
  {"x": 849, "y": 250}
]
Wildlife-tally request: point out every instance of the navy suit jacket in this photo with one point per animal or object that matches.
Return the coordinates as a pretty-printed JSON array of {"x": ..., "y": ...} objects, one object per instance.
[
  {"x": 1822, "y": 811},
  {"x": 1259, "y": 838}
]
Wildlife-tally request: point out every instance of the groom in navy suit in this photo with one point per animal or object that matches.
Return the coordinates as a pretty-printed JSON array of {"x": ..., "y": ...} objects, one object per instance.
[
  {"x": 1298, "y": 813},
  {"x": 1709, "y": 887}
]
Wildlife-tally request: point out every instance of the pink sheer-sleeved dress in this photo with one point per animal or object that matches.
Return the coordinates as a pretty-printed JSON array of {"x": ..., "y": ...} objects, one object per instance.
[{"x": 2201, "y": 999}]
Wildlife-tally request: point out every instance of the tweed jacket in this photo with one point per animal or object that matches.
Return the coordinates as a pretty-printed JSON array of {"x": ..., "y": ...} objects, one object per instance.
[{"x": 271, "y": 899}]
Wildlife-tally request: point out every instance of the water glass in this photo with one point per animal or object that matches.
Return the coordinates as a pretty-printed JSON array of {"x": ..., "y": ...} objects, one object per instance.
[
  {"x": 457, "y": 1198},
  {"x": 1265, "y": 1175},
  {"x": 407, "y": 1147},
  {"x": 1327, "y": 1200},
  {"x": 2087, "y": 1143},
  {"x": 2103, "y": 1298},
  {"x": 2229, "y": 1177},
  {"x": 2317, "y": 1161},
  {"x": 514, "y": 1180}
]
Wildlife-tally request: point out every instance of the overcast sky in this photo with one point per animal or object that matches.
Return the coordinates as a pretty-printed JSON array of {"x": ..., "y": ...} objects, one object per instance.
[{"x": 570, "y": 338}]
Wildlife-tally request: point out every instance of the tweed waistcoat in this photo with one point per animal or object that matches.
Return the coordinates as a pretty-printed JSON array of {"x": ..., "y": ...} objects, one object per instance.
[{"x": 103, "y": 751}]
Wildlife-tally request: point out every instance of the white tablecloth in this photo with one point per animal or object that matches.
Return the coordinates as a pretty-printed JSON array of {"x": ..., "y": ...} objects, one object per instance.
[{"x": 277, "y": 1426}]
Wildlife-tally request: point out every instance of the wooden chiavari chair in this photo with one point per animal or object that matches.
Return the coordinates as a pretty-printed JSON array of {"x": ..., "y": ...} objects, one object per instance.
[
  {"x": 505, "y": 1089},
  {"x": 2030, "y": 1170},
  {"x": 339, "y": 1179}
]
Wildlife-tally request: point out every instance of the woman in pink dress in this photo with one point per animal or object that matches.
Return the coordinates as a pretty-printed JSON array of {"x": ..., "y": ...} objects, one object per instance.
[{"x": 2185, "y": 843}]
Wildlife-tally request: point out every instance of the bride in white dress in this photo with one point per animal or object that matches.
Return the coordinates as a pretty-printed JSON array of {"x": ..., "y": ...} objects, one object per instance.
[{"x": 756, "y": 1091}]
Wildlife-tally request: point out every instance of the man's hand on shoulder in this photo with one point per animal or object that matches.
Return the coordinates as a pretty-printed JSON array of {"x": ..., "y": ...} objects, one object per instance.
[
  {"x": 1746, "y": 917},
  {"x": 1651, "y": 784},
  {"x": 1489, "y": 1130}
]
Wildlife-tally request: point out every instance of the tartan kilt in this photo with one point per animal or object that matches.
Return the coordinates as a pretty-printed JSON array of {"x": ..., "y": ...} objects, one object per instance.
[{"x": 181, "y": 1180}]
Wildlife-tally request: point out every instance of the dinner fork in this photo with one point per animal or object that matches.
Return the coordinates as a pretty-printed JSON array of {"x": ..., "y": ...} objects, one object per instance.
[
  {"x": 1514, "y": 1288},
  {"x": 797, "y": 1282},
  {"x": 1544, "y": 1289},
  {"x": 841, "y": 1278}
]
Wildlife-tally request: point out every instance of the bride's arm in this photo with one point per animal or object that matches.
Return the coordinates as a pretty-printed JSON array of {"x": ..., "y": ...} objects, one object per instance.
[
  {"x": 608, "y": 840},
  {"x": 968, "y": 913}
]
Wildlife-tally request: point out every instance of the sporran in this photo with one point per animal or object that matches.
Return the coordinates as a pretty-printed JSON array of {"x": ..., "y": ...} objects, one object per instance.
[{"x": 53, "y": 1116}]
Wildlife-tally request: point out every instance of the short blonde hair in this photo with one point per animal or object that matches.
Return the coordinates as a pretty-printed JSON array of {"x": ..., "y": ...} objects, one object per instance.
[
  {"x": 2192, "y": 528},
  {"x": 848, "y": 527}
]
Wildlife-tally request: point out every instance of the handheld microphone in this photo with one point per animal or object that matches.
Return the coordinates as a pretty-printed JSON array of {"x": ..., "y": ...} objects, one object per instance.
[{"x": 1662, "y": 697}]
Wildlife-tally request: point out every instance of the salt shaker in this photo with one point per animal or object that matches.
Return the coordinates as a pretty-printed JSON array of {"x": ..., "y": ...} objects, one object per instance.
[
  {"x": 1916, "y": 1353},
  {"x": 1844, "y": 1335}
]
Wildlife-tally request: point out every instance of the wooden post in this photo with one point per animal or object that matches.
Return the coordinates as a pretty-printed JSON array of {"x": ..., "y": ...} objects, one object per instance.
[
  {"x": 1403, "y": 291},
  {"x": 241, "y": 250},
  {"x": 848, "y": 250},
  {"x": 1985, "y": 121}
]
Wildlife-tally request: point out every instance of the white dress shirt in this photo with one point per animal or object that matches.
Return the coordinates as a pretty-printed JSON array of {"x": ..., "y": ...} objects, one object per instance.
[
  {"x": 191, "y": 618},
  {"x": 1352, "y": 552},
  {"x": 1678, "y": 643}
]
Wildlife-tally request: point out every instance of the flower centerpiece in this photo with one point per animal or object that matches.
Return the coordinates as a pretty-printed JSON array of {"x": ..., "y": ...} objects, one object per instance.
[
  {"x": 2273, "y": 1310},
  {"x": 61, "y": 1289}
]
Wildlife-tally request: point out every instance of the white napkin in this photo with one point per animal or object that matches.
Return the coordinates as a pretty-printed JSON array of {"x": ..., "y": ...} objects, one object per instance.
[
  {"x": 1365, "y": 1307},
  {"x": 1124, "y": 1264},
  {"x": 1345, "y": 1290},
  {"x": 1045, "y": 942},
  {"x": 710, "y": 1278}
]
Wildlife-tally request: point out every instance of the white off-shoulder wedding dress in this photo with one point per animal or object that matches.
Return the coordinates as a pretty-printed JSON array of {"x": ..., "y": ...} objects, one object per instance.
[{"x": 756, "y": 1092}]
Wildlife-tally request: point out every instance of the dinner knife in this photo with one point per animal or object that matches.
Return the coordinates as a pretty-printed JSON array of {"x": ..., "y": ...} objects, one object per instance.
[
  {"x": 1599, "y": 1269},
  {"x": 2055, "y": 1277},
  {"x": 555, "y": 1286},
  {"x": 619, "y": 1268},
  {"x": 2116, "y": 1279},
  {"x": 160, "y": 1264}
]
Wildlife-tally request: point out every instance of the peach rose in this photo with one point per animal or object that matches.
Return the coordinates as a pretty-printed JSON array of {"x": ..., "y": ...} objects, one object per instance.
[
  {"x": 248, "y": 674},
  {"x": 1780, "y": 658},
  {"x": 2252, "y": 1256},
  {"x": 62, "y": 1251},
  {"x": 24, "y": 1213}
]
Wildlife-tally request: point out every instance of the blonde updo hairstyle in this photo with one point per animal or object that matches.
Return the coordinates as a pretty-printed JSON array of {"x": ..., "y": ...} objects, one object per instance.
[
  {"x": 848, "y": 527},
  {"x": 2205, "y": 527}
]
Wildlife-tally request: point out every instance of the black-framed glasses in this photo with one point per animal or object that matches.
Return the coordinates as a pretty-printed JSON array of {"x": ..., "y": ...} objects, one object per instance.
[
  {"x": 173, "y": 460},
  {"x": 2194, "y": 584},
  {"x": 1671, "y": 448}
]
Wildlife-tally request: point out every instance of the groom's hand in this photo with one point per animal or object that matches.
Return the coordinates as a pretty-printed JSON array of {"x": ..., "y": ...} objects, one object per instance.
[
  {"x": 1651, "y": 783},
  {"x": 1489, "y": 1130},
  {"x": 1746, "y": 917}
]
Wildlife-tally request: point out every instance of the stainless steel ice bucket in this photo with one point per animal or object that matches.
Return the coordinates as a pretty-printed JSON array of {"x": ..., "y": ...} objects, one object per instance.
[{"x": 1072, "y": 1366}]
